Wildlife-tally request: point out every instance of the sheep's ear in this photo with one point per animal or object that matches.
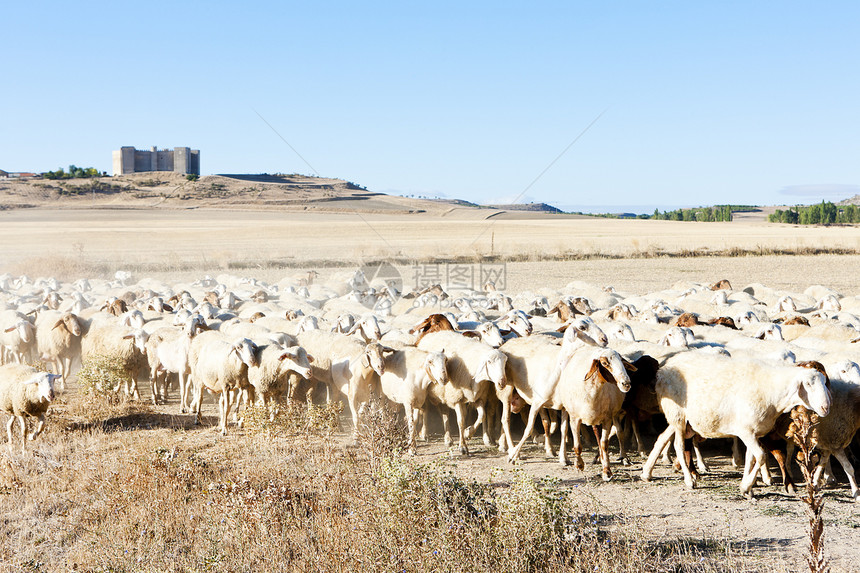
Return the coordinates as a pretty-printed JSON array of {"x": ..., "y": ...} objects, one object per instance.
[
  {"x": 760, "y": 336},
  {"x": 629, "y": 366},
  {"x": 59, "y": 323},
  {"x": 388, "y": 350},
  {"x": 471, "y": 334},
  {"x": 365, "y": 360},
  {"x": 286, "y": 354},
  {"x": 594, "y": 370},
  {"x": 34, "y": 380},
  {"x": 11, "y": 328},
  {"x": 310, "y": 359},
  {"x": 167, "y": 307},
  {"x": 482, "y": 373},
  {"x": 128, "y": 336}
]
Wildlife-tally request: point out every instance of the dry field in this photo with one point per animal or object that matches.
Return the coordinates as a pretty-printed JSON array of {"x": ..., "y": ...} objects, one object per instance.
[{"x": 125, "y": 487}]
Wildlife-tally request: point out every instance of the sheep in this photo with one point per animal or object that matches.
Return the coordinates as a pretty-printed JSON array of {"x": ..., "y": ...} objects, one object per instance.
[
  {"x": 715, "y": 396},
  {"x": 220, "y": 366},
  {"x": 125, "y": 345},
  {"x": 167, "y": 352},
  {"x": 592, "y": 389},
  {"x": 407, "y": 377},
  {"x": 17, "y": 337},
  {"x": 471, "y": 366},
  {"x": 58, "y": 338},
  {"x": 533, "y": 368},
  {"x": 433, "y": 323},
  {"x": 25, "y": 391},
  {"x": 346, "y": 365},
  {"x": 270, "y": 378}
]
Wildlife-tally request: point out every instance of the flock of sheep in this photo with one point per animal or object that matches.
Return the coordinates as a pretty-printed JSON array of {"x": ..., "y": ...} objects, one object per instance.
[{"x": 715, "y": 362}]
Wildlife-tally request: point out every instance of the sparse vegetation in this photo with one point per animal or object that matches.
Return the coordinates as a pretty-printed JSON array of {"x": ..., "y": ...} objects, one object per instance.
[
  {"x": 74, "y": 172},
  {"x": 825, "y": 213}
]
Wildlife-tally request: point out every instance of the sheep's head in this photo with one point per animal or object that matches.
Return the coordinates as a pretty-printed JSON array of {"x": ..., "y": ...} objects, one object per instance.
[
  {"x": 584, "y": 330},
  {"x": 770, "y": 332},
  {"x": 436, "y": 367},
  {"x": 490, "y": 334},
  {"x": 71, "y": 323},
  {"x": 811, "y": 391},
  {"x": 493, "y": 369},
  {"x": 675, "y": 337},
  {"x": 374, "y": 357},
  {"x": 620, "y": 331},
  {"x": 367, "y": 327},
  {"x": 608, "y": 366},
  {"x": 139, "y": 336},
  {"x": 45, "y": 382},
  {"x": 519, "y": 322},
  {"x": 848, "y": 371},
  {"x": 344, "y": 323},
  {"x": 133, "y": 318},
  {"x": 25, "y": 330},
  {"x": 297, "y": 360},
  {"x": 309, "y": 322},
  {"x": 247, "y": 352}
]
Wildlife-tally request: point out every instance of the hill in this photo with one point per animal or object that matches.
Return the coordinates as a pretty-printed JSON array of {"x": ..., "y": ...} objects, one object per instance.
[{"x": 165, "y": 190}]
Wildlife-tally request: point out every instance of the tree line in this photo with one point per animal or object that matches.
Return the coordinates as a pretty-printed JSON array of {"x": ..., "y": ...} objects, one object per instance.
[
  {"x": 824, "y": 213},
  {"x": 702, "y": 214},
  {"x": 74, "y": 172}
]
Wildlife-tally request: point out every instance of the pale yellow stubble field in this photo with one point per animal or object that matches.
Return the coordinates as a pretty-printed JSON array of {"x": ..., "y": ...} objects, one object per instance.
[{"x": 188, "y": 243}]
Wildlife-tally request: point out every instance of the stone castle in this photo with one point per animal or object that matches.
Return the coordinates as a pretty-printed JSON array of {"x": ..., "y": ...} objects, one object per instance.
[{"x": 179, "y": 160}]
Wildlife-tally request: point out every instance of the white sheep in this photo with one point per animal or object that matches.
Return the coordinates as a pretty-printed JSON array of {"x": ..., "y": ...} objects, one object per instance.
[
  {"x": 406, "y": 380},
  {"x": 124, "y": 345},
  {"x": 221, "y": 366},
  {"x": 167, "y": 352},
  {"x": 716, "y": 397},
  {"x": 58, "y": 338},
  {"x": 592, "y": 389},
  {"x": 345, "y": 365},
  {"x": 472, "y": 365},
  {"x": 533, "y": 368},
  {"x": 17, "y": 337},
  {"x": 270, "y": 379},
  {"x": 25, "y": 391}
]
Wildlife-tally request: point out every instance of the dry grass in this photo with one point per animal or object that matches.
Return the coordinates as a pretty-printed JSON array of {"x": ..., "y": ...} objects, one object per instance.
[{"x": 106, "y": 496}]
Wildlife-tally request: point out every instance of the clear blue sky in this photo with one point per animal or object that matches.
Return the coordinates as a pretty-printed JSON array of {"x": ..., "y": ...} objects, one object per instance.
[{"x": 705, "y": 102}]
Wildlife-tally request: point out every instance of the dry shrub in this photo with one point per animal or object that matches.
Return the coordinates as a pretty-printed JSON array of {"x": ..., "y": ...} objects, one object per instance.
[
  {"x": 804, "y": 431},
  {"x": 380, "y": 432}
]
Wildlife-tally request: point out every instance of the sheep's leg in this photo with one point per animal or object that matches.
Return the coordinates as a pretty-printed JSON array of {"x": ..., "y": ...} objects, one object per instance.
[
  {"x": 492, "y": 411},
  {"x": 689, "y": 481},
  {"x": 39, "y": 427},
  {"x": 183, "y": 392},
  {"x": 443, "y": 411},
  {"x": 224, "y": 407},
  {"x": 784, "y": 469},
  {"x": 471, "y": 430},
  {"x": 23, "y": 424},
  {"x": 461, "y": 426},
  {"x": 575, "y": 425},
  {"x": 596, "y": 431},
  {"x": 505, "y": 440},
  {"x": 756, "y": 453},
  {"x": 736, "y": 453},
  {"x": 640, "y": 447},
  {"x": 547, "y": 445},
  {"x": 153, "y": 384},
  {"x": 562, "y": 446},
  {"x": 9, "y": 425},
  {"x": 536, "y": 406},
  {"x": 665, "y": 453},
  {"x": 134, "y": 391},
  {"x": 701, "y": 466},
  {"x": 411, "y": 416},
  {"x": 618, "y": 430},
  {"x": 553, "y": 420},
  {"x": 659, "y": 445},
  {"x": 198, "y": 402},
  {"x": 849, "y": 471},
  {"x": 604, "y": 453},
  {"x": 819, "y": 469}
]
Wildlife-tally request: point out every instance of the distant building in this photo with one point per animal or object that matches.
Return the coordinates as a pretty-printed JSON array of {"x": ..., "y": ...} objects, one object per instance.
[
  {"x": 18, "y": 175},
  {"x": 180, "y": 160}
]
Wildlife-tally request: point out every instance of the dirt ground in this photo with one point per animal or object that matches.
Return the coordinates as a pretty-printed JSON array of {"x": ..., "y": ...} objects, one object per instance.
[{"x": 186, "y": 244}]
